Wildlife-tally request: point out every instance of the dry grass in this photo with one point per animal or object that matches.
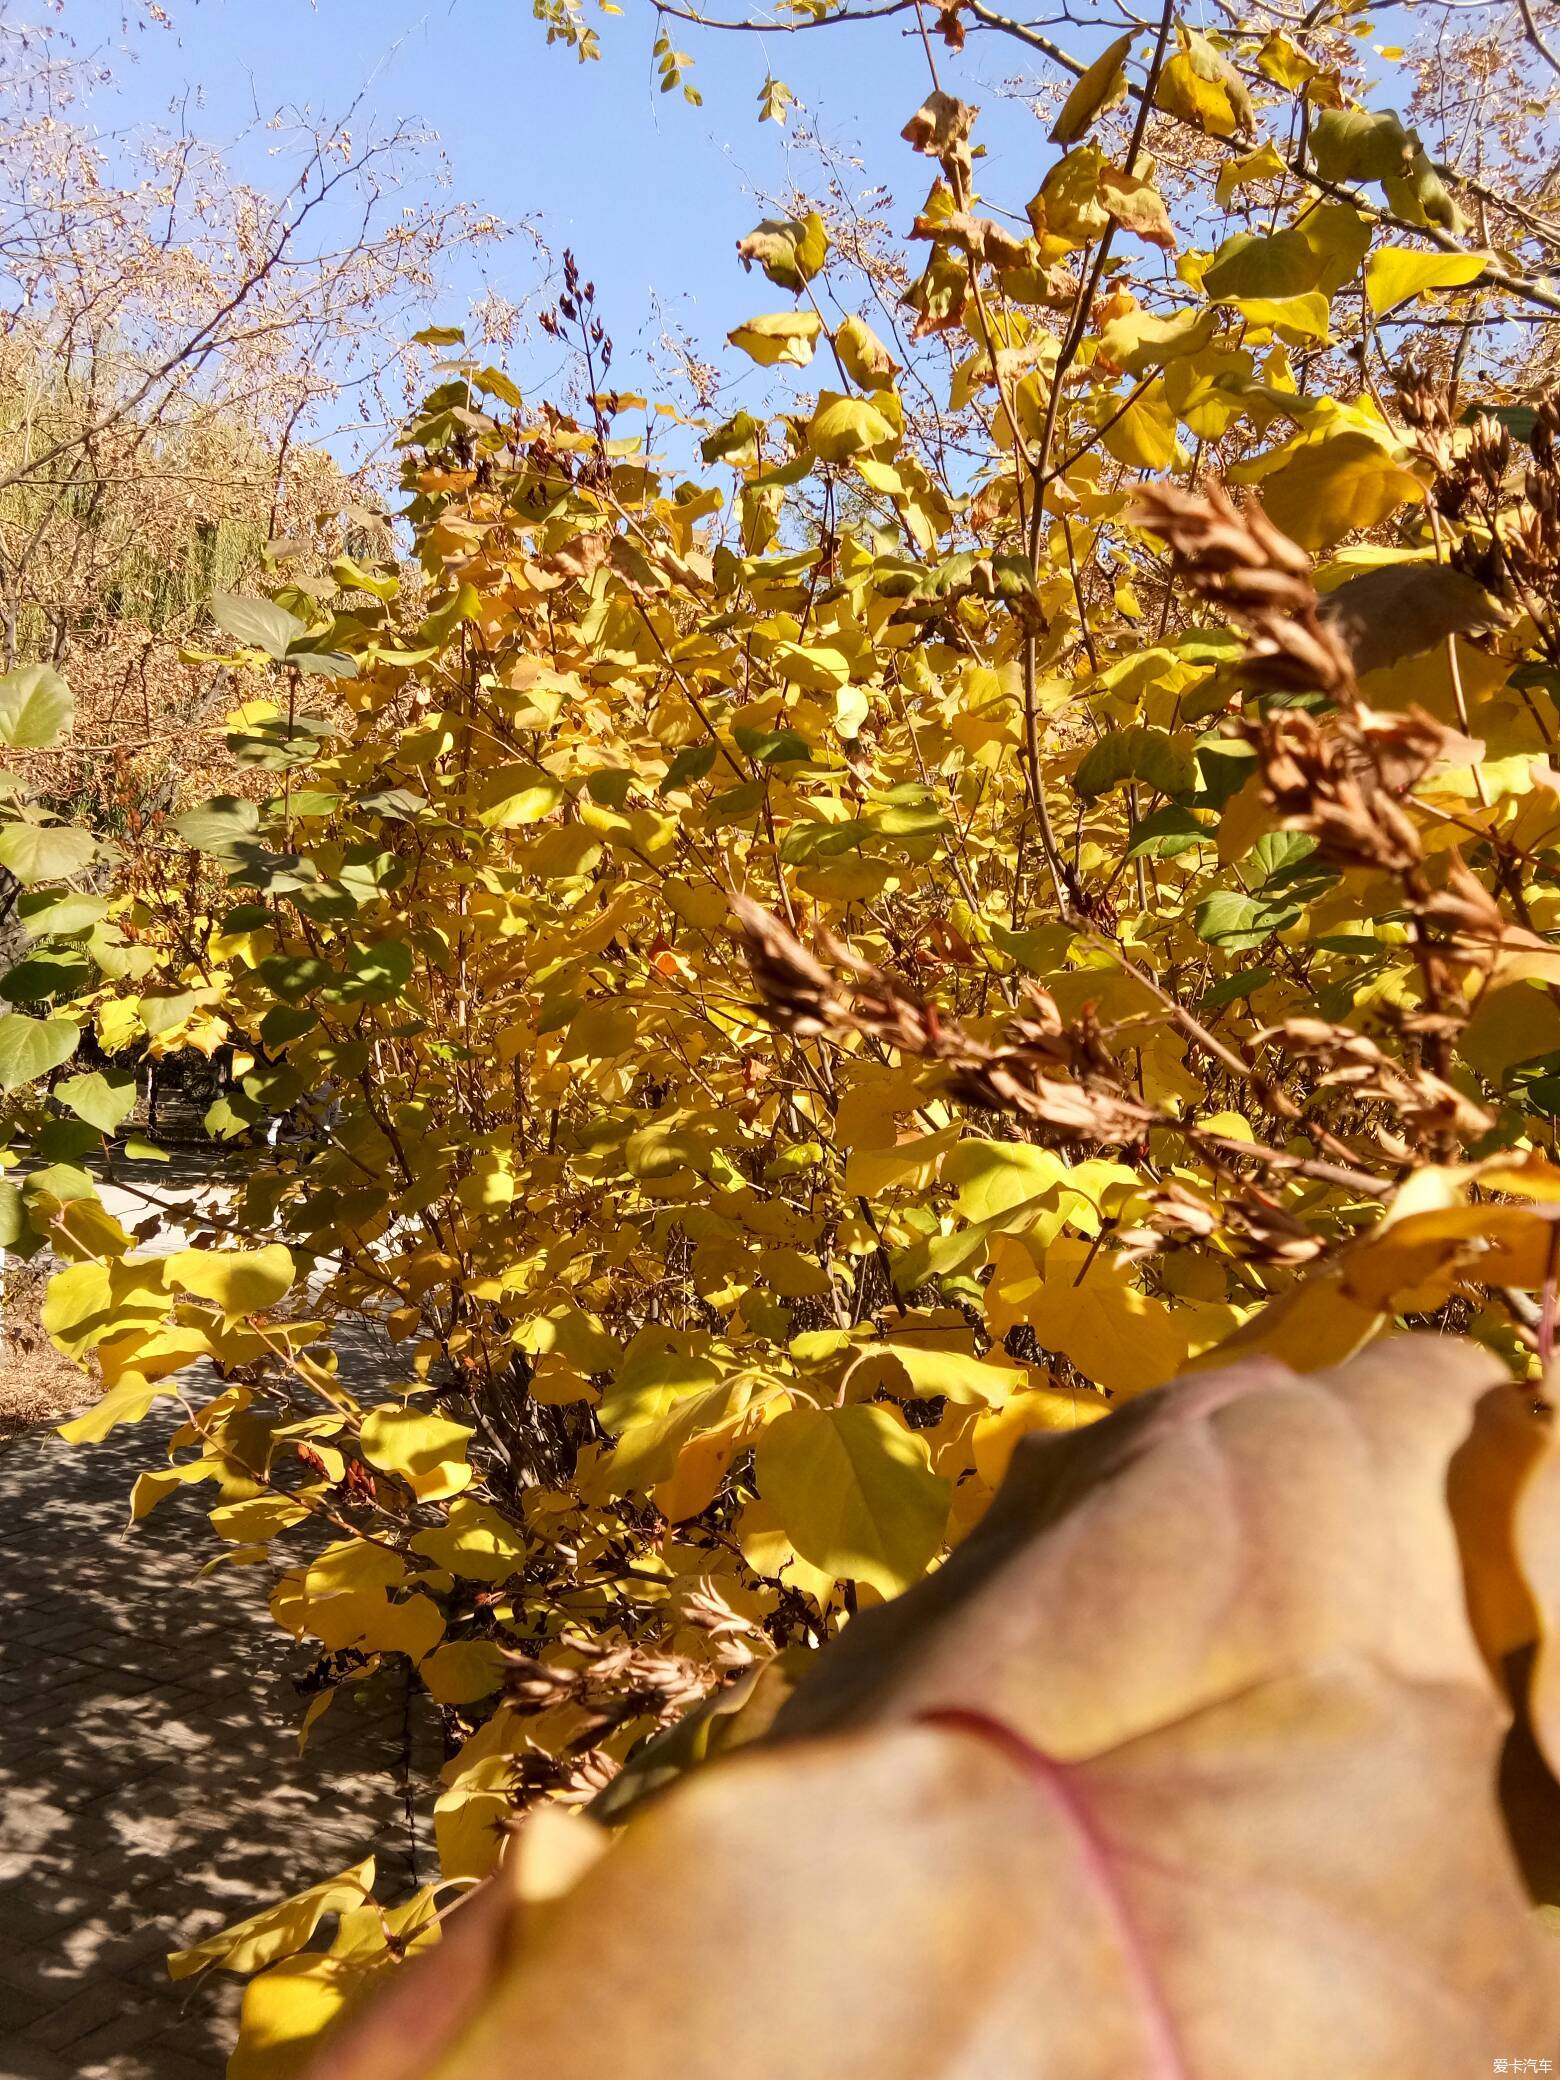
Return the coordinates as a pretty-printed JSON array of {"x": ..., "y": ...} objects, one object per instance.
[{"x": 37, "y": 1385}]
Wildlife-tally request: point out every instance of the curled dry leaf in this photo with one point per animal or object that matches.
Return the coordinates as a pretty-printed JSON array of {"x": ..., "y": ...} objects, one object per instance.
[
  {"x": 1181, "y": 1766},
  {"x": 1404, "y": 609}
]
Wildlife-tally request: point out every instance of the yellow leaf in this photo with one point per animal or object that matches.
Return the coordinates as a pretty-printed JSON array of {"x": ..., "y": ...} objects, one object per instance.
[
  {"x": 285, "y": 2010},
  {"x": 427, "y": 1451},
  {"x": 995, "y": 1176},
  {"x": 474, "y": 1541},
  {"x": 87, "y": 1303},
  {"x": 702, "y": 1464},
  {"x": 366, "y": 1619},
  {"x": 768, "y": 1551},
  {"x": 1510, "y": 1025},
  {"x": 471, "y": 1818},
  {"x": 787, "y": 336},
  {"x": 257, "y": 1520},
  {"x": 855, "y": 1493},
  {"x": 126, "y": 1403},
  {"x": 1330, "y": 487},
  {"x": 1284, "y": 62},
  {"x": 1264, "y": 164},
  {"x": 1206, "y": 103},
  {"x": 463, "y": 1670},
  {"x": 924, "y": 1371},
  {"x": 1307, "y": 315},
  {"x": 151, "y": 1488},
  {"x": 1503, "y": 1489},
  {"x": 1312, "y": 1325},
  {"x": 1144, "y": 437},
  {"x": 1000, "y": 1431},
  {"x": 913, "y": 1163},
  {"x": 1395, "y": 274},
  {"x": 867, "y": 361},
  {"x": 1090, "y": 1311},
  {"x": 144, "y": 1355},
  {"x": 1138, "y": 206},
  {"x": 1247, "y": 816},
  {"x": 845, "y": 426},
  {"x": 241, "y": 1282},
  {"x": 278, "y": 1930},
  {"x": 1099, "y": 88}
]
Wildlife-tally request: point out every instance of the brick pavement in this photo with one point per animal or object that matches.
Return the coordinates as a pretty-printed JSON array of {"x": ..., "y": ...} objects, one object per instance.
[{"x": 151, "y": 1789}]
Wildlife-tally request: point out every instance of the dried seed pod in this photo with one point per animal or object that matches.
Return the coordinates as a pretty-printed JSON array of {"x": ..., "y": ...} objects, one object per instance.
[{"x": 1237, "y": 559}]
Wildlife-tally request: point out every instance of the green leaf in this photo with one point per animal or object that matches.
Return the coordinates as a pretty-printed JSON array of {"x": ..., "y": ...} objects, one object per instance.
[
  {"x": 771, "y": 747},
  {"x": 62, "y": 1181},
  {"x": 13, "y": 1214},
  {"x": 259, "y": 623},
  {"x": 736, "y": 441},
  {"x": 1395, "y": 274},
  {"x": 374, "y": 973},
  {"x": 1140, "y": 752},
  {"x": 322, "y": 664},
  {"x": 1244, "y": 982},
  {"x": 1518, "y": 419},
  {"x": 294, "y": 976},
  {"x": 166, "y": 1013},
  {"x": 284, "y": 1023},
  {"x": 690, "y": 764},
  {"x": 854, "y": 1492},
  {"x": 1281, "y": 266},
  {"x": 48, "y": 974},
  {"x": 36, "y": 708},
  {"x": 1236, "y": 922},
  {"x": 790, "y": 250},
  {"x": 66, "y": 1141},
  {"x": 1351, "y": 144},
  {"x": 56, "y": 913},
  {"x": 1279, "y": 857},
  {"x": 45, "y": 851},
  {"x": 31, "y": 1047},
  {"x": 220, "y": 825},
  {"x": 277, "y": 744},
  {"x": 1166, "y": 834},
  {"x": 105, "y": 1099},
  {"x": 395, "y": 804},
  {"x": 229, "y": 1116}
]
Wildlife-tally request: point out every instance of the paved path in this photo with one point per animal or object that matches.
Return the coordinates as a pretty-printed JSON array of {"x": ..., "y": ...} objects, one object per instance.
[{"x": 151, "y": 1789}]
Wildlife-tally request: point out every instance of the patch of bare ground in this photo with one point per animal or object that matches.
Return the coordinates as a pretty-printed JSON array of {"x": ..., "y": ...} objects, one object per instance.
[{"x": 37, "y": 1385}]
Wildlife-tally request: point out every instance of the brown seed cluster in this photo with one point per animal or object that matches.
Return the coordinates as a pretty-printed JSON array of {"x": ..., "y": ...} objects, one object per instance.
[
  {"x": 1506, "y": 507},
  {"x": 1344, "y": 778},
  {"x": 1084, "y": 1105},
  {"x": 1235, "y": 558}
]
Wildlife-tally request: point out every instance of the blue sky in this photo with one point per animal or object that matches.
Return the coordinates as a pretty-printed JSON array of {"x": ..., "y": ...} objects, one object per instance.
[{"x": 651, "y": 193}]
